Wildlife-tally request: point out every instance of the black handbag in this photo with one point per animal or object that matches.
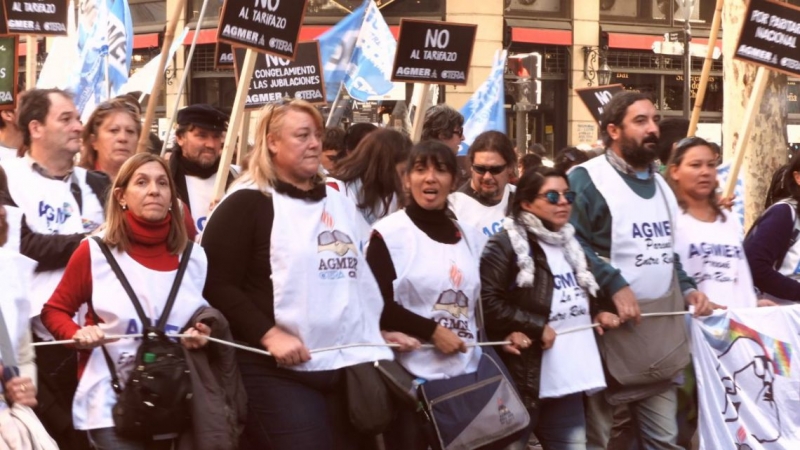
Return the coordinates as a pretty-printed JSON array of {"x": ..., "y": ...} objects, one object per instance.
[{"x": 156, "y": 399}]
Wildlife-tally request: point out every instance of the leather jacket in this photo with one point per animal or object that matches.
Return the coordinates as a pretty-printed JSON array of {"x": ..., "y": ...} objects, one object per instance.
[{"x": 508, "y": 308}]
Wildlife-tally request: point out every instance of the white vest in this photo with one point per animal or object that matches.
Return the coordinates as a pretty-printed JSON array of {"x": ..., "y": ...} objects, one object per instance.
[
  {"x": 50, "y": 208},
  {"x": 573, "y": 363},
  {"x": 438, "y": 281},
  {"x": 16, "y": 276},
  {"x": 94, "y": 398},
  {"x": 712, "y": 254},
  {"x": 641, "y": 229},
  {"x": 324, "y": 292},
  {"x": 201, "y": 194},
  {"x": 470, "y": 212},
  {"x": 14, "y": 220}
]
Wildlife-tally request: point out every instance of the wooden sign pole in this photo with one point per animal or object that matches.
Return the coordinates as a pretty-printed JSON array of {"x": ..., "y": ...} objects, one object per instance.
[
  {"x": 31, "y": 52},
  {"x": 753, "y": 103},
  {"x": 245, "y": 76},
  {"x": 244, "y": 138},
  {"x": 419, "y": 111},
  {"x": 169, "y": 36},
  {"x": 701, "y": 90}
]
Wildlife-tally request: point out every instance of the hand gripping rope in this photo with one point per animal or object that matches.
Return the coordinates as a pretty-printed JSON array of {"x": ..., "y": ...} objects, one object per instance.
[{"x": 339, "y": 347}]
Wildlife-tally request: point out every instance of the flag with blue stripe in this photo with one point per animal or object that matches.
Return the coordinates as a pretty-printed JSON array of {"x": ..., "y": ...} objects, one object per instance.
[
  {"x": 88, "y": 83},
  {"x": 485, "y": 110},
  {"x": 370, "y": 69},
  {"x": 120, "y": 43},
  {"x": 336, "y": 47}
]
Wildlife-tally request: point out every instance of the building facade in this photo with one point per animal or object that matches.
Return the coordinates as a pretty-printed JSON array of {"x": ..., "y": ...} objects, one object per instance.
[{"x": 567, "y": 33}]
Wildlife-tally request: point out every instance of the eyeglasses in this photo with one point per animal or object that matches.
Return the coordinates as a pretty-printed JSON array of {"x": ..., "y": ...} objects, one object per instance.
[
  {"x": 459, "y": 132},
  {"x": 554, "y": 196},
  {"x": 494, "y": 170}
]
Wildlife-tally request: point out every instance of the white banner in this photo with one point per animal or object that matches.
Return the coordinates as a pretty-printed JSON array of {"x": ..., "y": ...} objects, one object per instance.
[{"x": 748, "y": 378}]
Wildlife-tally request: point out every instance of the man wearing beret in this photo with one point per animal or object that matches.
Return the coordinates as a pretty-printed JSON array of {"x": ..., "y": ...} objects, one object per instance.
[{"x": 196, "y": 157}]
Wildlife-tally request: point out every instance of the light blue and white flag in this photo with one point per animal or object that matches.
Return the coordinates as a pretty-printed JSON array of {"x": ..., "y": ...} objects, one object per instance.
[
  {"x": 89, "y": 81},
  {"x": 143, "y": 79},
  {"x": 120, "y": 44},
  {"x": 485, "y": 110},
  {"x": 370, "y": 69},
  {"x": 336, "y": 48},
  {"x": 723, "y": 172}
]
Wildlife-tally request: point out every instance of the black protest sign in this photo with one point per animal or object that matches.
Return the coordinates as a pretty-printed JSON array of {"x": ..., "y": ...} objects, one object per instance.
[
  {"x": 223, "y": 56},
  {"x": 36, "y": 17},
  {"x": 266, "y": 26},
  {"x": 275, "y": 78},
  {"x": 769, "y": 36},
  {"x": 433, "y": 52},
  {"x": 595, "y": 98},
  {"x": 3, "y": 21},
  {"x": 9, "y": 71}
]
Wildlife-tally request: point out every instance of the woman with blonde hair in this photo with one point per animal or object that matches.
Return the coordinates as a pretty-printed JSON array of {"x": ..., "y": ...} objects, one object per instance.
[
  {"x": 287, "y": 269},
  {"x": 110, "y": 136},
  {"x": 148, "y": 240}
]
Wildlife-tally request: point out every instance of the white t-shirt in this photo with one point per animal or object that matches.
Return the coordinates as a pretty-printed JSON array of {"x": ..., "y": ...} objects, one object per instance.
[
  {"x": 712, "y": 254},
  {"x": 7, "y": 152},
  {"x": 573, "y": 363},
  {"x": 201, "y": 194}
]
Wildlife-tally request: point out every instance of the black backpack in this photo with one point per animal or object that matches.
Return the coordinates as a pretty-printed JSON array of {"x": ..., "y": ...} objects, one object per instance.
[{"x": 156, "y": 399}]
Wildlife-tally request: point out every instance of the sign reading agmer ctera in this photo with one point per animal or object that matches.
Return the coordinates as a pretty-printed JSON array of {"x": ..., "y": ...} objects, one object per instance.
[
  {"x": 223, "y": 56},
  {"x": 266, "y": 26},
  {"x": 276, "y": 79},
  {"x": 36, "y": 17},
  {"x": 433, "y": 52},
  {"x": 769, "y": 36}
]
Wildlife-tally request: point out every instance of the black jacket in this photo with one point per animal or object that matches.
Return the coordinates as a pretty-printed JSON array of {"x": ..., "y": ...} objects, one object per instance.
[{"x": 508, "y": 308}]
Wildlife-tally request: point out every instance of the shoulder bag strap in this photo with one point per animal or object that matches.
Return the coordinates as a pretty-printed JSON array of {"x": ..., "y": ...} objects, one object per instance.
[
  {"x": 123, "y": 280},
  {"x": 176, "y": 285}
]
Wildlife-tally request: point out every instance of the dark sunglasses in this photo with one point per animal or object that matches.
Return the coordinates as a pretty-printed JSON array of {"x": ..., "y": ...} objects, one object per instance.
[
  {"x": 494, "y": 170},
  {"x": 554, "y": 196},
  {"x": 459, "y": 132}
]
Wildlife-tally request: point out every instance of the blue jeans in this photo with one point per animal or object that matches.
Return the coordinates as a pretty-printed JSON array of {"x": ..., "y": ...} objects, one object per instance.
[
  {"x": 654, "y": 420},
  {"x": 291, "y": 410},
  {"x": 560, "y": 423},
  {"x": 107, "y": 439}
]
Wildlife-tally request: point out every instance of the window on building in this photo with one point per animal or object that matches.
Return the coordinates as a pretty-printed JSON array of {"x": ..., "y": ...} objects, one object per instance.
[
  {"x": 639, "y": 82},
  {"x": 538, "y": 8},
  {"x": 148, "y": 12},
  {"x": 791, "y": 97},
  {"x": 658, "y": 11}
]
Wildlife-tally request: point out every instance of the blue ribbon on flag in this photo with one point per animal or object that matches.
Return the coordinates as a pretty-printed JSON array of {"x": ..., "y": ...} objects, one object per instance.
[{"x": 485, "y": 110}]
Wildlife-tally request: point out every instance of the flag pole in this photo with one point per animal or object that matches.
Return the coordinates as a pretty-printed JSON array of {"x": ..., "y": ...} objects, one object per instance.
[
  {"x": 329, "y": 122},
  {"x": 701, "y": 89},
  {"x": 31, "y": 52},
  {"x": 169, "y": 36},
  {"x": 245, "y": 77},
  {"x": 186, "y": 70}
]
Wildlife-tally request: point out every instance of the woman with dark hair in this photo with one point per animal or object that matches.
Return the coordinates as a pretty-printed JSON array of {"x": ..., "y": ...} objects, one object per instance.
[
  {"x": 702, "y": 225},
  {"x": 772, "y": 245},
  {"x": 535, "y": 283},
  {"x": 110, "y": 136},
  {"x": 370, "y": 175},
  {"x": 427, "y": 269}
]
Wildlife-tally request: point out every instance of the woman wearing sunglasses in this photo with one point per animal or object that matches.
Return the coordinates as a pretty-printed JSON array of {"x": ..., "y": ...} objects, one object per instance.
[
  {"x": 708, "y": 238},
  {"x": 536, "y": 285}
]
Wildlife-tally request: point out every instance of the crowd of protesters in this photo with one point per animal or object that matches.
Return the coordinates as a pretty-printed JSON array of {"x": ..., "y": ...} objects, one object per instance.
[{"x": 332, "y": 238}]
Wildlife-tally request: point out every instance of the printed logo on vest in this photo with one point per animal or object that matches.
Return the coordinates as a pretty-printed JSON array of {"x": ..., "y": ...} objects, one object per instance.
[
  {"x": 456, "y": 303},
  {"x": 339, "y": 243},
  {"x": 55, "y": 216}
]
